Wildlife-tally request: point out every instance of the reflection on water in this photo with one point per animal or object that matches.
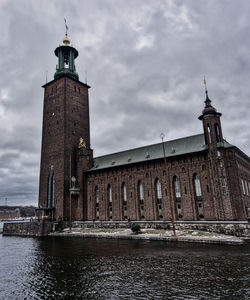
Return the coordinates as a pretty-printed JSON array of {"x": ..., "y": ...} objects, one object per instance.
[{"x": 77, "y": 268}]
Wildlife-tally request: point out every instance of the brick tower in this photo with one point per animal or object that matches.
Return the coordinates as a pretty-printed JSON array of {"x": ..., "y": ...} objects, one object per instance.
[
  {"x": 65, "y": 152},
  {"x": 222, "y": 204}
]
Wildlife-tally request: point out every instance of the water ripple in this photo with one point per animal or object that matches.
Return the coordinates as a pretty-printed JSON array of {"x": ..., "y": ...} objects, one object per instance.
[{"x": 68, "y": 268}]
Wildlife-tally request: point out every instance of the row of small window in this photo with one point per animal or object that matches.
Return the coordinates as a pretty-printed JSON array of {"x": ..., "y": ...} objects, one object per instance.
[{"x": 245, "y": 187}]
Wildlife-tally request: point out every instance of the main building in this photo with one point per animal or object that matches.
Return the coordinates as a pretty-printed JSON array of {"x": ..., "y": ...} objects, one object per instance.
[{"x": 206, "y": 177}]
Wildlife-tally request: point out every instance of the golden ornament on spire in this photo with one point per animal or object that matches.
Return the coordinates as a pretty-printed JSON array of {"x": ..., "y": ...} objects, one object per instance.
[{"x": 66, "y": 40}]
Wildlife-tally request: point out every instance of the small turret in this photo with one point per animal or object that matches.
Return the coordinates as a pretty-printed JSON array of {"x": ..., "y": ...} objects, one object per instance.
[{"x": 211, "y": 123}]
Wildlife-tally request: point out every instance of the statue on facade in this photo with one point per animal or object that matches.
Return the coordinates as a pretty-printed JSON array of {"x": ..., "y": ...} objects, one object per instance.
[{"x": 82, "y": 143}]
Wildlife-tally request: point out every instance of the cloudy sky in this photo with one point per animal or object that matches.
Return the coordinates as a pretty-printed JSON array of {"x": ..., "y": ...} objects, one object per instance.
[{"x": 145, "y": 61}]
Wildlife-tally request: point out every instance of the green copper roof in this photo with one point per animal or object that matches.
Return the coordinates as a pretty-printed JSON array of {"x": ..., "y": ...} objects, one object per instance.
[{"x": 190, "y": 144}]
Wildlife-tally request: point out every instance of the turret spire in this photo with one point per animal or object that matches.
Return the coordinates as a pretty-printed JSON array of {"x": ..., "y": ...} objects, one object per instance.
[
  {"x": 208, "y": 109},
  {"x": 66, "y": 40},
  {"x": 207, "y": 101}
]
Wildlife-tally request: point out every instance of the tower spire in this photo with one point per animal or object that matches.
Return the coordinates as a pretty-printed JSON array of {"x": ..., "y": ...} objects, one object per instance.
[
  {"x": 208, "y": 109},
  {"x": 66, "y": 40},
  {"x": 207, "y": 101},
  {"x": 66, "y": 27}
]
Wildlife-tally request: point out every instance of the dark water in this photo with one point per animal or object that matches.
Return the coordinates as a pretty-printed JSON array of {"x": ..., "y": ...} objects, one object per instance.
[{"x": 77, "y": 268}]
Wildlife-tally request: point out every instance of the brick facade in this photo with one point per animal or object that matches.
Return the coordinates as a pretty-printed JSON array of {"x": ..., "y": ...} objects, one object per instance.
[
  {"x": 211, "y": 182},
  {"x": 65, "y": 120}
]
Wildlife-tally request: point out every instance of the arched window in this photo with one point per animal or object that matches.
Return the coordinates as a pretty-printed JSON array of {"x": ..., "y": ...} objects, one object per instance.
[
  {"x": 197, "y": 185},
  {"x": 209, "y": 134},
  {"x": 96, "y": 196},
  {"x": 177, "y": 188},
  {"x": 124, "y": 200},
  {"x": 124, "y": 192},
  {"x": 51, "y": 190},
  {"x": 109, "y": 192},
  {"x": 141, "y": 200},
  {"x": 158, "y": 190},
  {"x": 198, "y": 193},
  {"x": 223, "y": 185},
  {"x": 97, "y": 202},
  {"x": 217, "y": 132},
  {"x": 158, "y": 198},
  {"x": 141, "y": 196}
]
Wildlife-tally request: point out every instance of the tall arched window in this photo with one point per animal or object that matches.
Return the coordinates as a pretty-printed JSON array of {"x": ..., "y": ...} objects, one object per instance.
[
  {"x": 177, "y": 190},
  {"x": 224, "y": 186},
  {"x": 109, "y": 194},
  {"x": 217, "y": 132},
  {"x": 124, "y": 193},
  {"x": 124, "y": 200},
  {"x": 197, "y": 185},
  {"x": 109, "y": 201},
  {"x": 96, "y": 196},
  {"x": 158, "y": 190},
  {"x": 209, "y": 134},
  {"x": 51, "y": 190},
  {"x": 158, "y": 198},
  {"x": 141, "y": 195},
  {"x": 141, "y": 200},
  {"x": 198, "y": 194},
  {"x": 97, "y": 202}
]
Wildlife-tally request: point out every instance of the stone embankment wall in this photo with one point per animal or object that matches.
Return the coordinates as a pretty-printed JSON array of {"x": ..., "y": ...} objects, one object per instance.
[
  {"x": 240, "y": 229},
  {"x": 35, "y": 228}
]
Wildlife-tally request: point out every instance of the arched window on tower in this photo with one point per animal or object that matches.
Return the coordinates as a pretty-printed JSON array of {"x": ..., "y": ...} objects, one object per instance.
[
  {"x": 109, "y": 191},
  {"x": 223, "y": 185},
  {"x": 51, "y": 190},
  {"x": 177, "y": 190},
  {"x": 141, "y": 200},
  {"x": 124, "y": 201},
  {"x": 198, "y": 196},
  {"x": 209, "y": 134},
  {"x": 48, "y": 191},
  {"x": 217, "y": 132},
  {"x": 158, "y": 192},
  {"x": 97, "y": 203}
]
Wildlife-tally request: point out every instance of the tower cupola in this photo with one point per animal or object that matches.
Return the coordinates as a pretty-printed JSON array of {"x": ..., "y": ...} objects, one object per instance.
[
  {"x": 66, "y": 60},
  {"x": 211, "y": 123},
  {"x": 208, "y": 109}
]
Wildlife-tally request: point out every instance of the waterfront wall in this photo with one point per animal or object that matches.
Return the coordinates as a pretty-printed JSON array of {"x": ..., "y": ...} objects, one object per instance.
[
  {"x": 236, "y": 228},
  {"x": 36, "y": 228}
]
